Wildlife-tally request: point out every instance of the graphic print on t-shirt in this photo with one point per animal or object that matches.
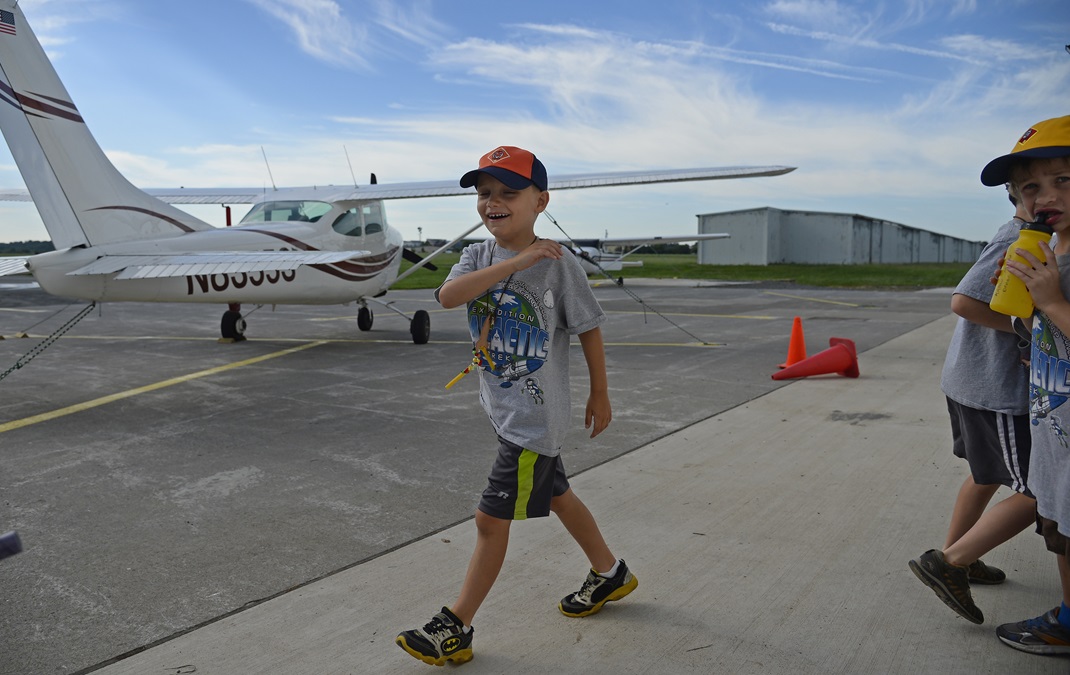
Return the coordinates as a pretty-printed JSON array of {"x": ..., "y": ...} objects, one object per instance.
[
  {"x": 518, "y": 342},
  {"x": 1049, "y": 375}
]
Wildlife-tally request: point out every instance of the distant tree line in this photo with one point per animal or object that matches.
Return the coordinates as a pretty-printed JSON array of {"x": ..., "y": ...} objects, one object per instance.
[{"x": 25, "y": 247}]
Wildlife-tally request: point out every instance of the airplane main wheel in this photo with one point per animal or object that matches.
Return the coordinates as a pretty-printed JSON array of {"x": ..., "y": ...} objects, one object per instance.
[
  {"x": 364, "y": 319},
  {"x": 233, "y": 326},
  {"x": 420, "y": 327}
]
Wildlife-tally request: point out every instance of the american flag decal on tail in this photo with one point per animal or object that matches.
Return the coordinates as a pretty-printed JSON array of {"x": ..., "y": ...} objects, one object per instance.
[{"x": 7, "y": 22}]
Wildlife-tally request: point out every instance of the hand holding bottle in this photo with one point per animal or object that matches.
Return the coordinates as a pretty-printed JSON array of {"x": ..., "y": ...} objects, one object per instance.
[{"x": 1012, "y": 296}]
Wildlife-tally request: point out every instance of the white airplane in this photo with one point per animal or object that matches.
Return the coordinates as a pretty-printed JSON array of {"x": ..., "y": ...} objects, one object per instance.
[
  {"x": 117, "y": 243},
  {"x": 595, "y": 258}
]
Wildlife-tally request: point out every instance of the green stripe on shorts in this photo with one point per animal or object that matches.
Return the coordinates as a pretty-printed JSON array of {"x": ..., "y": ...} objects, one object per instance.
[{"x": 525, "y": 476}]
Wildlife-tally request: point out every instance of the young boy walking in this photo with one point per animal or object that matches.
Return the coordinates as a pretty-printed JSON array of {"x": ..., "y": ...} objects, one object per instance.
[
  {"x": 525, "y": 297},
  {"x": 986, "y": 385},
  {"x": 1038, "y": 169}
]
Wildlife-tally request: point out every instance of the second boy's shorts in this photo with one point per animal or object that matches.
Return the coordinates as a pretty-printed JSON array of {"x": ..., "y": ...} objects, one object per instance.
[
  {"x": 996, "y": 445},
  {"x": 1054, "y": 540},
  {"x": 522, "y": 483}
]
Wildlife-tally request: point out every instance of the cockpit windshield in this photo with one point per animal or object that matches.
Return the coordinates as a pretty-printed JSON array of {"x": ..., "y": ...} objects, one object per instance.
[{"x": 282, "y": 211}]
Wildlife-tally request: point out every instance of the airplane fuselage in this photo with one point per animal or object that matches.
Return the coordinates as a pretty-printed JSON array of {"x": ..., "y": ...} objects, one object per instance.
[{"x": 335, "y": 283}]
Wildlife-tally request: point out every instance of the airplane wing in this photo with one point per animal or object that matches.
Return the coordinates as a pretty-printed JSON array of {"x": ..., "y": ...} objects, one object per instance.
[
  {"x": 12, "y": 265},
  {"x": 638, "y": 241},
  {"x": 443, "y": 188},
  {"x": 449, "y": 188},
  {"x": 189, "y": 264}
]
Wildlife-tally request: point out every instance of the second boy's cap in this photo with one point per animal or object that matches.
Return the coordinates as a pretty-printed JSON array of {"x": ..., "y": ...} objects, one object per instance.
[
  {"x": 513, "y": 166},
  {"x": 1043, "y": 140}
]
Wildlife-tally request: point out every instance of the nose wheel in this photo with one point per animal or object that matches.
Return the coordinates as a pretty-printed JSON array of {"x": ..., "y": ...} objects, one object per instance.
[
  {"x": 365, "y": 319},
  {"x": 232, "y": 326},
  {"x": 420, "y": 327}
]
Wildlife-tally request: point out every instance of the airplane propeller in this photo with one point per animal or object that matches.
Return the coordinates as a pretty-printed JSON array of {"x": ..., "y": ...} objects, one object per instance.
[{"x": 415, "y": 259}]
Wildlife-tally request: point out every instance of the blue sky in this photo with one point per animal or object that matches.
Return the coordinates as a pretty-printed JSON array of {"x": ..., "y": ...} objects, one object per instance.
[{"x": 888, "y": 109}]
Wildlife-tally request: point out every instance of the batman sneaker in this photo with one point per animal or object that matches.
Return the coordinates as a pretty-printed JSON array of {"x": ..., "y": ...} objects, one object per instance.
[
  {"x": 441, "y": 639},
  {"x": 980, "y": 573},
  {"x": 597, "y": 590},
  {"x": 951, "y": 583},
  {"x": 1042, "y": 635}
]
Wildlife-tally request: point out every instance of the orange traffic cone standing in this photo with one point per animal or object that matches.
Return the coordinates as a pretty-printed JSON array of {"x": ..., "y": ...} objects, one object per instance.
[
  {"x": 797, "y": 344},
  {"x": 841, "y": 358}
]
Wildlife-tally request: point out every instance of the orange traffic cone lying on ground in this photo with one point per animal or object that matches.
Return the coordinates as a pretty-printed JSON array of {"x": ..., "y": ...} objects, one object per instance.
[
  {"x": 841, "y": 358},
  {"x": 797, "y": 345}
]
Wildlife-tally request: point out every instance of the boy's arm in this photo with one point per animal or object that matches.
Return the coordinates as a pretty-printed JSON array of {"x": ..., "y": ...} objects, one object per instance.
[
  {"x": 980, "y": 313},
  {"x": 599, "y": 412},
  {"x": 456, "y": 292}
]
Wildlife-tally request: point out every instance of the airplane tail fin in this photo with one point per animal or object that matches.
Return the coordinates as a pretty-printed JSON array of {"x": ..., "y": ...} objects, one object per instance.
[{"x": 81, "y": 196}]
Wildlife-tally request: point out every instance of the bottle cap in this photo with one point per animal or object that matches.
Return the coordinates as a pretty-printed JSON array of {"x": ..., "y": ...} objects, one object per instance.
[{"x": 1039, "y": 225}]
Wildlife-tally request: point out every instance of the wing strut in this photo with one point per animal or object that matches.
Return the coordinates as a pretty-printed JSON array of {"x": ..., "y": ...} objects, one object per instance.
[{"x": 440, "y": 249}]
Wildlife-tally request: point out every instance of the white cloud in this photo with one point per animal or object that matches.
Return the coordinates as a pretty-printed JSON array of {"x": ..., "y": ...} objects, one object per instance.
[
  {"x": 824, "y": 13},
  {"x": 869, "y": 43},
  {"x": 981, "y": 49},
  {"x": 320, "y": 29}
]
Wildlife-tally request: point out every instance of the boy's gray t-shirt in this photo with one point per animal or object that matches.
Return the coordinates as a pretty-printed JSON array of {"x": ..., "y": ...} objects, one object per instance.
[
  {"x": 526, "y": 392},
  {"x": 1049, "y": 390},
  {"x": 983, "y": 368}
]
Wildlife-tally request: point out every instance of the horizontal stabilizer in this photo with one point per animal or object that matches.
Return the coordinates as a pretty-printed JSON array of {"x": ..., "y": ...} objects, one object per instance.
[
  {"x": 12, "y": 266},
  {"x": 223, "y": 262}
]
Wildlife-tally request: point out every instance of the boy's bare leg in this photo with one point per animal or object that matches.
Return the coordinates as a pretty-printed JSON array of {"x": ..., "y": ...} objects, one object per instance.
[
  {"x": 970, "y": 503},
  {"x": 492, "y": 540},
  {"x": 579, "y": 522},
  {"x": 997, "y": 525}
]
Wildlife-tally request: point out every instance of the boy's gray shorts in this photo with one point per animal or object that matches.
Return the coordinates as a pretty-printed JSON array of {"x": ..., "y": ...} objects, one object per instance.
[
  {"x": 1054, "y": 540},
  {"x": 996, "y": 445},
  {"x": 521, "y": 483}
]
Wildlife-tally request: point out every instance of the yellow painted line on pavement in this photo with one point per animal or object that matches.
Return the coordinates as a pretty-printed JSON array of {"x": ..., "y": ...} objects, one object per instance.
[
  {"x": 70, "y": 410},
  {"x": 804, "y": 297},
  {"x": 665, "y": 344},
  {"x": 756, "y": 317}
]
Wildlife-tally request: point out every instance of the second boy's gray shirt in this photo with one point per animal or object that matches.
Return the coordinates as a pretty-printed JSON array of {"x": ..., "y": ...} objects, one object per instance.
[
  {"x": 983, "y": 368},
  {"x": 526, "y": 392}
]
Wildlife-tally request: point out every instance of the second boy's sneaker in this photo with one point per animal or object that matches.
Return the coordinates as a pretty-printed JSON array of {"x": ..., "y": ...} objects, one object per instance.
[
  {"x": 441, "y": 639},
  {"x": 980, "y": 573},
  {"x": 1042, "y": 635},
  {"x": 597, "y": 590},
  {"x": 950, "y": 583}
]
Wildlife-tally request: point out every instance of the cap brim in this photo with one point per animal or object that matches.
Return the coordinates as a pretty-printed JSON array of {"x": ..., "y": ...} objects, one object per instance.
[
  {"x": 997, "y": 172},
  {"x": 509, "y": 178}
]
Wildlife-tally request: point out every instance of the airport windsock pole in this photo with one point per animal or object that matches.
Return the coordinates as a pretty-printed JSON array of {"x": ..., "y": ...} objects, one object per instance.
[{"x": 841, "y": 358}]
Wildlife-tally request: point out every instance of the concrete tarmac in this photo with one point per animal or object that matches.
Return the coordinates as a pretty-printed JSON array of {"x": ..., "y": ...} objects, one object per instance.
[{"x": 187, "y": 507}]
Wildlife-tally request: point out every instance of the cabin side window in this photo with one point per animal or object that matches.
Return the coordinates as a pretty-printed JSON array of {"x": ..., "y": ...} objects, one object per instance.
[
  {"x": 373, "y": 218},
  {"x": 348, "y": 224}
]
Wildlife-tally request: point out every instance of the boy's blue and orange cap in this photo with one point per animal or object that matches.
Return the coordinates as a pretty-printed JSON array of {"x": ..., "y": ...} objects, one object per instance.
[
  {"x": 513, "y": 166},
  {"x": 1043, "y": 140}
]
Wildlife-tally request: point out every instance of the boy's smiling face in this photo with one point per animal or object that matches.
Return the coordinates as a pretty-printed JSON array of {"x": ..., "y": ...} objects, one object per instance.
[
  {"x": 1045, "y": 188},
  {"x": 508, "y": 213}
]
